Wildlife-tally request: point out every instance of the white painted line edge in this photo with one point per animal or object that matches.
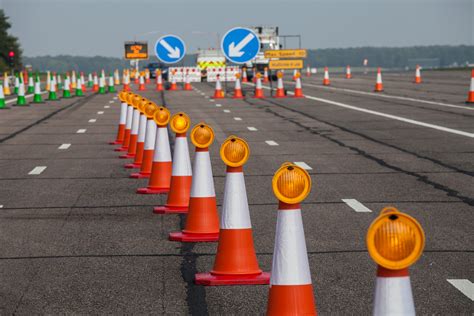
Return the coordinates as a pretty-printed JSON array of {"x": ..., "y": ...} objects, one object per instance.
[
  {"x": 251, "y": 128},
  {"x": 64, "y": 146},
  {"x": 303, "y": 165},
  {"x": 238, "y": 118},
  {"x": 37, "y": 170},
  {"x": 465, "y": 286},
  {"x": 100, "y": 112},
  {"x": 218, "y": 105},
  {"x": 357, "y": 206},
  {"x": 226, "y": 111},
  {"x": 81, "y": 131},
  {"x": 271, "y": 142},
  {"x": 106, "y": 106},
  {"x": 92, "y": 120}
]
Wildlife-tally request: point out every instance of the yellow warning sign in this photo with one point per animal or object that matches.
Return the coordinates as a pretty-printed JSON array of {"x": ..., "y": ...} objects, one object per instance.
[
  {"x": 286, "y": 53},
  {"x": 136, "y": 50},
  {"x": 286, "y": 64}
]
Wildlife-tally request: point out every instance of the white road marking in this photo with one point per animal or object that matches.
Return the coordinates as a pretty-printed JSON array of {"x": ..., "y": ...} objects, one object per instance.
[
  {"x": 100, "y": 112},
  {"x": 106, "y": 106},
  {"x": 303, "y": 165},
  {"x": 251, "y": 128},
  {"x": 218, "y": 105},
  {"x": 115, "y": 98},
  {"x": 1, "y": 206},
  {"x": 37, "y": 170},
  {"x": 357, "y": 206},
  {"x": 226, "y": 111},
  {"x": 64, "y": 146},
  {"x": 92, "y": 120},
  {"x": 238, "y": 118},
  {"x": 81, "y": 131},
  {"x": 113, "y": 101},
  {"x": 465, "y": 286},
  {"x": 211, "y": 100},
  {"x": 271, "y": 142}
]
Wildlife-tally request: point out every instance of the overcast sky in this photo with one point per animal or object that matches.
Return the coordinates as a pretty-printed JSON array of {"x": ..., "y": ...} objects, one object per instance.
[{"x": 99, "y": 27}]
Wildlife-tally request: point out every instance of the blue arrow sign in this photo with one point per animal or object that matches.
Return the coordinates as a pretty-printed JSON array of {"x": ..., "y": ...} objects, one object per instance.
[
  {"x": 240, "y": 45},
  {"x": 170, "y": 49}
]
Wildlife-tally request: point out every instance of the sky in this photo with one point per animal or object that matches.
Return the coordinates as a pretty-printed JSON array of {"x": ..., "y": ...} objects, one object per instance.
[{"x": 99, "y": 27}]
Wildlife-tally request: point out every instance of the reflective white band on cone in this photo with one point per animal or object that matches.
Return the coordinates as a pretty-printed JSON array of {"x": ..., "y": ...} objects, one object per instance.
[
  {"x": 129, "y": 117},
  {"x": 203, "y": 183},
  {"x": 135, "y": 122},
  {"x": 150, "y": 135},
  {"x": 142, "y": 128},
  {"x": 181, "y": 161},
  {"x": 235, "y": 208},
  {"x": 162, "y": 145},
  {"x": 393, "y": 296},
  {"x": 123, "y": 113}
]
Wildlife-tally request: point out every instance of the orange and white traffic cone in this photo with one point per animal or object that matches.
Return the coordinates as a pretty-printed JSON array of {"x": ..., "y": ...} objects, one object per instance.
[
  {"x": 418, "y": 74},
  {"x": 137, "y": 77},
  {"x": 258, "y": 87},
  {"x": 141, "y": 85},
  {"x": 308, "y": 71},
  {"x": 378, "y": 83},
  {"x": 244, "y": 75},
  {"x": 326, "y": 81},
  {"x": 280, "y": 91},
  {"x": 254, "y": 75},
  {"x": 291, "y": 289},
  {"x": 142, "y": 131},
  {"x": 393, "y": 295},
  {"x": 295, "y": 72},
  {"x": 147, "y": 76},
  {"x": 470, "y": 96},
  {"x": 128, "y": 123},
  {"x": 95, "y": 87},
  {"x": 132, "y": 146},
  {"x": 187, "y": 83},
  {"x": 348, "y": 72},
  {"x": 122, "y": 120},
  {"x": 265, "y": 75},
  {"x": 236, "y": 260},
  {"x": 218, "y": 93},
  {"x": 202, "y": 222},
  {"x": 159, "y": 81},
  {"x": 181, "y": 175},
  {"x": 173, "y": 86},
  {"x": 160, "y": 174},
  {"x": 298, "y": 89},
  {"x": 238, "y": 88},
  {"x": 126, "y": 81}
]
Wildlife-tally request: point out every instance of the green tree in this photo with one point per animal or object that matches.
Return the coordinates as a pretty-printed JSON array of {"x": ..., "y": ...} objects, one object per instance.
[{"x": 8, "y": 43}]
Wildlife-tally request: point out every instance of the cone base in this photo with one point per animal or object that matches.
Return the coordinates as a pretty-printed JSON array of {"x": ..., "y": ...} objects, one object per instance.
[
  {"x": 212, "y": 280},
  {"x": 140, "y": 175},
  {"x": 153, "y": 190},
  {"x": 378, "y": 90},
  {"x": 121, "y": 149},
  {"x": 116, "y": 142},
  {"x": 5, "y": 108},
  {"x": 170, "y": 210},
  {"x": 133, "y": 166},
  {"x": 127, "y": 156},
  {"x": 186, "y": 237}
]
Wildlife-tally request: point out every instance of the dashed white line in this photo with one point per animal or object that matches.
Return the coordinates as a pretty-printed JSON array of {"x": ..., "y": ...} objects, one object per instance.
[
  {"x": 357, "y": 206},
  {"x": 113, "y": 101},
  {"x": 1, "y": 206},
  {"x": 81, "y": 131},
  {"x": 238, "y": 118},
  {"x": 115, "y": 98},
  {"x": 37, "y": 170},
  {"x": 271, "y": 142},
  {"x": 211, "y": 100},
  {"x": 100, "y": 112},
  {"x": 218, "y": 105},
  {"x": 64, "y": 146},
  {"x": 251, "y": 128},
  {"x": 226, "y": 111},
  {"x": 92, "y": 120},
  {"x": 303, "y": 165},
  {"x": 465, "y": 286},
  {"x": 106, "y": 106}
]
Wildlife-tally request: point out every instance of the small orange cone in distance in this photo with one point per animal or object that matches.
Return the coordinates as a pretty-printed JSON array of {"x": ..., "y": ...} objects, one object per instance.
[
  {"x": 258, "y": 87},
  {"x": 298, "y": 89},
  {"x": 132, "y": 146},
  {"x": 122, "y": 120},
  {"x": 173, "y": 86},
  {"x": 470, "y": 96},
  {"x": 378, "y": 83},
  {"x": 141, "y": 85},
  {"x": 159, "y": 81},
  {"x": 236, "y": 261},
  {"x": 218, "y": 93},
  {"x": 202, "y": 221},
  {"x": 128, "y": 123},
  {"x": 348, "y": 72},
  {"x": 238, "y": 88},
  {"x": 280, "y": 91},
  {"x": 160, "y": 176},
  {"x": 291, "y": 289},
  {"x": 146, "y": 110},
  {"x": 417, "y": 74},
  {"x": 265, "y": 75},
  {"x": 244, "y": 75},
  {"x": 181, "y": 175},
  {"x": 393, "y": 295},
  {"x": 187, "y": 84},
  {"x": 326, "y": 81}
]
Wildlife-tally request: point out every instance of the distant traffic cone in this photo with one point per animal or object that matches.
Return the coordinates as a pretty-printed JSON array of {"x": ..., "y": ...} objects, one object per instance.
[
  {"x": 173, "y": 86},
  {"x": 126, "y": 82},
  {"x": 130, "y": 98},
  {"x": 111, "y": 83},
  {"x": 254, "y": 75},
  {"x": 137, "y": 77},
  {"x": 187, "y": 83},
  {"x": 37, "y": 95},
  {"x": 17, "y": 84},
  {"x": 137, "y": 113},
  {"x": 66, "y": 89},
  {"x": 238, "y": 88},
  {"x": 280, "y": 91},
  {"x": 123, "y": 119},
  {"x": 52, "y": 96},
  {"x": 298, "y": 93},
  {"x": 236, "y": 260},
  {"x": 265, "y": 75},
  {"x": 291, "y": 289},
  {"x": 160, "y": 176},
  {"x": 244, "y": 75},
  {"x": 326, "y": 81},
  {"x": 218, "y": 93},
  {"x": 102, "y": 84},
  {"x": 73, "y": 80},
  {"x": 470, "y": 96},
  {"x": 258, "y": 88},
  {"x": 348, "y": 72},
  {"x": 147, "y": 76},
  {"x": 395, "y": 241},
  {"x": 21, "y": 100},
  {"x": 142, "y": 125},
  {"x": 417, "y": 74},
  {"x": 6, "y": 84},
  {"x": 59, "y": 82},
  {"x": 116, "y": 77},
  {"x": 83, "y": 83},
  {"x": 295, "y": 72},
  {"x": 31, "y": 85},
  {"x": 308, "y": 71},
  {"x": 79, "y": 88},
  {"x": 181, "y": 175},
  {"x": 141, "y": 86},
  {"x": 159, "y": 81},
  {"x": 2, "y": 99},
  {"x": 202, "y": 221},
  {"x": 379, "y": 84},
  {"x": 95, "y": 86},
  {"x": 90, "y": 82}
]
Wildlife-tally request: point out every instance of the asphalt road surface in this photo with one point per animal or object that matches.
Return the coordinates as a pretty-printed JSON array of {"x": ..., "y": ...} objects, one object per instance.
[{"x": 76, "y": 238}]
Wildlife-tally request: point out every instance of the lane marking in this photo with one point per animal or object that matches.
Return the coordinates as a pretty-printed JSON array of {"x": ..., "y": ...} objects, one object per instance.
[
  {"x": 37, "y": 170},
  {"x": 357, "y": 206},
  {"x": 218, "y": 105},
  {"x": 1, "y": 206},
  {"x": 211, "y": 100},
  {"x": 106, "y": 106},
  {"x": 303, "y": 165},
  {"x": 465, "y": 286},
  {"x": 92, "y": 120},
  {"x": 251, "y": 128},
  {"x": 81, "y": 131},
  {"x": 271, "y": 143},
  {"x": 115, "y": 98},
  {"x": 238, "y": 118},
  {"x": 64, "y": 146},
  {"x": 100, "y": 112},
  {"x": 113, "y": 101},
  {"x": 226, "y": 111}
]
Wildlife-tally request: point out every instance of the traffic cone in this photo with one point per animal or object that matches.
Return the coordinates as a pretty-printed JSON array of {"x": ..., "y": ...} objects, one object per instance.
[
  {"x": 17, "y": 84},
  {"x": 90, "y": 82},
  {"x": 73, "y": 80},
  {"x": 102, "y": 84},
  {"x": 258, "y": 88},
  {"x": 31, "y": 85},
  {"x": 126, "y": 82},
  {"x": 298, "y": 89},
  {"x": 395, "y": 241},
  {"x": 37, "y": 96},
  {"x": 244, "y": 75},
  {"x": 160, "y": 176},
  {"x": 111, "y": 83},
  {"x": 130, "y": 98},
  {"x": 173, "y": 86},
  {"x": 280, "y": 91},
  {"x": 2, "y": 99},
  {"x": 237, "y": 89},
  {"x": 159, "y": 81},
  {"x": 6, "y": 84},
  {"x": 66, "y": 89},
  {"x": 141, "y": 86},
  {"x": 59, "y": 82},
  {"x": 379, "y": 84},
  {"x": 123, "y": 119},
  {"x": 295, "y": 72},
  {"x": 52, "y": 96},
  {"x": 116, "y": 77},
  {"x": 348, "y": 72},
  {"x": 218, "y": 93},
  {"x": 417, "y": 74},
  {"x": 137, "y": 77},
  {"x": 137, "y": 162},
  {"x": 236, "y": 261},
  {"x": 470, "y": 96},
  {"x": 308, "y": 71},
  {"x": 181, "y": 175},
  {"x": 147, "y": 76},
  {"x": 187, "y": 84},
  {"x": 265, "y": 75},
  {"x": 21, "y": 100},
  {"x": 326, "y": 81},
  {"x": 79, "y": 88},
  {"x": 137, "y": 113},
  {"x": 95, "y": 86},
  {"x": 254, "y": 75},
  {"x": 83, "y": 84},
  {"x": 202, "y": 222},
  {"x": 291, "y": 289}
]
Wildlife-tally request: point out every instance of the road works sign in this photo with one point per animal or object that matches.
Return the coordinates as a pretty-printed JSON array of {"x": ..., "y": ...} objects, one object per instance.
[
  {"x": 170, "y": 49},
  {"x": 286, "y": 64},
  {"x": 240, "y": 45},
  {"x": 286, "y": 53},
  {"x": 136, "y": 50}
]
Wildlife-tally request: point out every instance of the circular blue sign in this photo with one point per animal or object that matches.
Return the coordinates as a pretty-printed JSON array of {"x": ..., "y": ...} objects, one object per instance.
[
  {"x": 240, "y": 45},
  {"x": 170, "y": 49}
]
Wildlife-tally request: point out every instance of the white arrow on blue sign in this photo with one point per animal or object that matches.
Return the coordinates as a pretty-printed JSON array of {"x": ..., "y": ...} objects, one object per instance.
[
  {"x": 240, "y": 45},
  {"x": 170, "y": 49}
]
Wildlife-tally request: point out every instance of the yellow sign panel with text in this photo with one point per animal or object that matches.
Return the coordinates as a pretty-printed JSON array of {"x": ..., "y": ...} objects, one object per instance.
[
  {"x": 136, "y": 50},
  {"x": 286, "y": 53},
  {"x": 286, "y": 64}
]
